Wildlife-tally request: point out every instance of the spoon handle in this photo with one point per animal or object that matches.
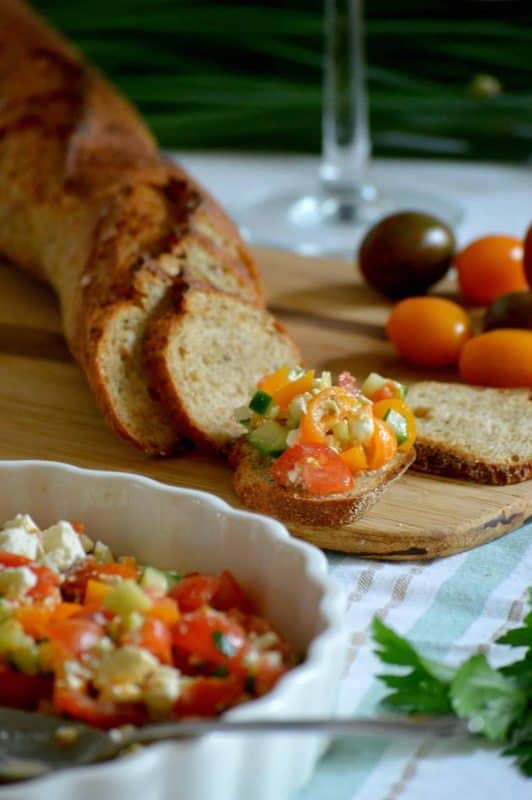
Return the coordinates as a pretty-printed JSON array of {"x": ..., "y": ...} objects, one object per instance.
[{"x": 439, "y": 727}]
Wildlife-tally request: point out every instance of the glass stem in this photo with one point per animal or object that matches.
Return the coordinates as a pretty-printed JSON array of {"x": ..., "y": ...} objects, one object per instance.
[{"x": 346, "y": 145}]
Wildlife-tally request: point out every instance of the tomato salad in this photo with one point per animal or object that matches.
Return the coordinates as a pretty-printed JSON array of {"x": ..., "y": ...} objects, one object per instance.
[
  {"x": 319, "y": 436},
  {"x": 110, "y": 642}
]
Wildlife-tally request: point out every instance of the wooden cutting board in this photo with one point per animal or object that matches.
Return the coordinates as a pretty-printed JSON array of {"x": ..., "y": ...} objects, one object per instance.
[{"x": 47, "y": 412}]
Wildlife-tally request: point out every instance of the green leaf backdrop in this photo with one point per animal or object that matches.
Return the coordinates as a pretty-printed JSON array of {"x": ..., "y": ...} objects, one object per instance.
[{"x": 247, "y": 75}]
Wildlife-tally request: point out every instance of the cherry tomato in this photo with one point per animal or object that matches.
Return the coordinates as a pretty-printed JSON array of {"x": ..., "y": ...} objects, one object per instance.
[
  {"x": 156, "y": 637},
  {"x": 208, "y": 636},
  {"x": 323, "y": 411},
  {"x": 321, "y": 470},
  {"x": 381, "y": 408},
  {"x": 502, "y": 357},
  {"x": 489, "y": 267},
  {"x": 429, "y": 331},
  {"x": 194, "y": 591},
  {"x": 230, "y": 595},
  {"x": 383, "y": 445},
  {"x": 74, "y": 635}
]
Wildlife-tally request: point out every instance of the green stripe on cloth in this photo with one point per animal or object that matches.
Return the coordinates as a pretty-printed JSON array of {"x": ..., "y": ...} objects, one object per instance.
[{"x": 457, "y": 604}]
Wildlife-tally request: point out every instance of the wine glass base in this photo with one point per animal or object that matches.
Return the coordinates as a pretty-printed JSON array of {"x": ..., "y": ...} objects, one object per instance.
[{"x": 314, "y": 225}]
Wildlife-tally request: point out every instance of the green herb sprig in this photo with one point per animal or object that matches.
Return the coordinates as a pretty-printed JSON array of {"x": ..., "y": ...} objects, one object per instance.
[{"x": 496, "y": 702}]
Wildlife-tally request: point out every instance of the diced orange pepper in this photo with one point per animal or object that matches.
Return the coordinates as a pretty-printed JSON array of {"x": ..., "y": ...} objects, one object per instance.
[
  {"x": 355, "y": 458},
  {"x": 34, "y": 620},
  {"x": 382, "y": 446},
  {"x": 275, "y": 381},
  {"x": 95, "y": 591},
  {"x": 284, "y": 396},
  {"x": 383, "y": 406},
  {"x": 325, "y": 409},
  {"x": 65, "y": 610},
  {"x": 164, "y": 609}
]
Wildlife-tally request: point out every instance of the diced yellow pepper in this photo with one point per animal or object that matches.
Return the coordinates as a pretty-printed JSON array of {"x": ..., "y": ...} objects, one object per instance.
[
  {"x": 286, "y": 394},
  {"x": 95, "y": 591},
  {"x": 275, "y": 381},
  {"x": 355, "y": 458}
]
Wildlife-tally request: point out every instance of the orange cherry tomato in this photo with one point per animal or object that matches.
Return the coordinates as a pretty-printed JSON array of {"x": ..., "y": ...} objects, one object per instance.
[
  {"x": 382, "y": 446},
  {"x": 323, "y": 411},
  {"x": 284, "y": 396},
  {"x": 355, "y": 458},
  {"x": 429, "y": 331},
  {"x": 489, "y": 267},
  {"x": 502, "y": 357},
  {"x": 74, "y": 635},
  {"x": 320, "y": 469},
  {"x": 274, "y": 381},
  {"x": 381, "y": 408}
]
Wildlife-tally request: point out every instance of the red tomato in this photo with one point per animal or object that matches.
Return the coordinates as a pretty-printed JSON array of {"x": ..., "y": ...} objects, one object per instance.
[
  {"x": 195, "y": 591},
  {"x": 230, "y": 595},
  {"x": 18, "y": 690},
  {"x": 320, "y": 469},
  {"x": 47, "y": 586},
  {"x": 386, "y": 392},
  {"x": 489, "y": 267},
  {"x": 207, "y": 697},
  {"x": 12, "y": 560},
  {"x": 101, "y": 714},
  {"x": 75, "y": 582},
  {"x": 74, "y": 635},
  {"x": 156, "y": 637},
  {"x": 207, "y": 636}
]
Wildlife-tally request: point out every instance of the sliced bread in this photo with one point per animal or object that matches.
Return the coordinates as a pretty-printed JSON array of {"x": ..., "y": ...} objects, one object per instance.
[
  {"x": 205, "y": 355},
  {"x": 471, "y": 432},
  {"x": 256, "y": 488}
]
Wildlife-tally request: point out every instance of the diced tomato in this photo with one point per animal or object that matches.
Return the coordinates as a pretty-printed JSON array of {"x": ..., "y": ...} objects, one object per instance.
[
  {"x": 207, "y": 636},
  {"x": 385, "y": 392},
  {"x": 78, "y": 526},
  {"x": 320, "y": 469},
  {"x": 156, "y": 637},
  {"x": 18, "y": 690},
  {"x": 330, "y": 406},
  {"x": 230, "y": 594},
  {"x": 75, "y": 582},
  {"x": 266, "y": 675},
  {"x": 47, "y": 586},
  {"x": 207, "y": 697},
  {"x": 101, "y": 714},
  {"x": 74, "y": 635},
  {"x": 383, "y": 445},
  {"x": 194, "y": 591},
  {"x": 164, "y": 608},
  {"x": 13, "y": 560},
  {"x": 381, "y": 408}
]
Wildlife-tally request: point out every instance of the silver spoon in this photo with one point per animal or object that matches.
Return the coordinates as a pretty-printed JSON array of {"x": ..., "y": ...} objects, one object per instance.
[{"x": 33, "y": 744}]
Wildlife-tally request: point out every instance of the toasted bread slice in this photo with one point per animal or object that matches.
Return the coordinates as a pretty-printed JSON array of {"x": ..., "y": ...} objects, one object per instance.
[
  {"x": 475, "y": 433},
  {"x": 257, "y": 489},
  {"x": 206, "y": 354}
]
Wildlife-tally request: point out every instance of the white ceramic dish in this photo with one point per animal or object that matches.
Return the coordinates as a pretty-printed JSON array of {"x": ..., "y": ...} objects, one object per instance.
[{"x": 189, "y": 530}]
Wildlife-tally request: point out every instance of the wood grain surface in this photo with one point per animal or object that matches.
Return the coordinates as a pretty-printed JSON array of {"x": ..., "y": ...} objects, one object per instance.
[{"x": 47, "y": 412}]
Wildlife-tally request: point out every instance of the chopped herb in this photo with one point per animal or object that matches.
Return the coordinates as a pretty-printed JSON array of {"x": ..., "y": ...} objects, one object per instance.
[
  {"x": 250, "y": 684},
  {"x": 172, "y": 578},
  {"x": 223, "y": 644},
  {"x": 496, "y": 702},
  {"x": 220, "y": 672}
]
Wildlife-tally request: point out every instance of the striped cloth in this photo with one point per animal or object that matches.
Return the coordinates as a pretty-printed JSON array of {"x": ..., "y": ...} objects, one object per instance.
[{"x": 450, "y": 608}]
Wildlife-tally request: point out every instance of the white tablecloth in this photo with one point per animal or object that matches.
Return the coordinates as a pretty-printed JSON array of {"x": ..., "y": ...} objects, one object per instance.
[{"x": 451, "y": 607}]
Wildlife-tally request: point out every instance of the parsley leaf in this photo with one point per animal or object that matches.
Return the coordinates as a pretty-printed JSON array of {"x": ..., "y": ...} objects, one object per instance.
[
  {"x": 224, "y": 644},
  {"x": 425, "y": 688},
  {"x": 490, "y": 700}
]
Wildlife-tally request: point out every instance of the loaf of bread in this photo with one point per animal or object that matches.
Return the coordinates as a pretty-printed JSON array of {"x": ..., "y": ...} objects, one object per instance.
[
  {"x": 471, "y": 432},
  {"x": 89, "y": 205},
  {"x": 256, "y": 488}
]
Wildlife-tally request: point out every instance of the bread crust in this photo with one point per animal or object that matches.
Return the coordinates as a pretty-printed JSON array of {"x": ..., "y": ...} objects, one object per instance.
[
  {"x": 88, "y": 205},
  {"x": 441, "y": 460},
  {"x": 256, "y": 489}
]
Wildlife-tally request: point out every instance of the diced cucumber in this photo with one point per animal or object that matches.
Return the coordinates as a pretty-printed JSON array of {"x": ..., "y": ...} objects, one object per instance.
[
  {"x": 373, "y": 383},
  {"x": 269, "y": 438},
  {"x": 12, "y": 636},
  {"x": 341, "y": 431},
  {"x": 297, "y": 407},
  {"x": 125, "y": 597},
  {"x": 6, "y": 609},
  {"x": 25, "y": 658},
  {"x": 172, "y": 577},
  {"x": 242, "y": 414},
  {"x": 155, "y": 579},
  {"x": 260, "y": 402},
  {"x": 398, "y": 424},
  {"x": 102, "y": 553},
  {"x": 403, "y": 390}
]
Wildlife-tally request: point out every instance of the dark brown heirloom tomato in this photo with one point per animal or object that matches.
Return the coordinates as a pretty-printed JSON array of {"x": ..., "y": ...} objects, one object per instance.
[
  {"x": 528, "y": 256},
  {"x": 406, "y": 253},
  {"x": 511, "y": 310}
]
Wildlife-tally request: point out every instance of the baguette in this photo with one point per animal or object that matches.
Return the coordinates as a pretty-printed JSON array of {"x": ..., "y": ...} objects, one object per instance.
[
  {"x": 474, "y": 433},
  {"x": 88, "y": 205},
  {"x": 256, "y": 488},
  {"x": 204, "y": 356}
]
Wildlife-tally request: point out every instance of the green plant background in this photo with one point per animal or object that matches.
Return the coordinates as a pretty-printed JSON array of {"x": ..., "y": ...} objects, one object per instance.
[{"x": 247, "y": 75}]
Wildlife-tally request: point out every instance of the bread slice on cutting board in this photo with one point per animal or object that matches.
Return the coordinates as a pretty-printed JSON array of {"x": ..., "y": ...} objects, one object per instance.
[
  {"x": 256, "y": 488},
  {"x": 204, "y": 356},
  {"x": 475, "y": 433}
]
